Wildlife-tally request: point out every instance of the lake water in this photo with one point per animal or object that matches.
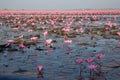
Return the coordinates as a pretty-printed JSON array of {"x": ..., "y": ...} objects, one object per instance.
[{"x": 58, "y": 60}]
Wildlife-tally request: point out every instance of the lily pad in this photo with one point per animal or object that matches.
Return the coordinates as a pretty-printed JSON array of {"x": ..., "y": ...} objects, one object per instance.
[
  {"x": 83, "y": 43},
  {"x": 19, "y": 71}
]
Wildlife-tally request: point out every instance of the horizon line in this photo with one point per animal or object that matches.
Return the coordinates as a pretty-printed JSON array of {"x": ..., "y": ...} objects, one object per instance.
[{"x": 56, "y": 9}]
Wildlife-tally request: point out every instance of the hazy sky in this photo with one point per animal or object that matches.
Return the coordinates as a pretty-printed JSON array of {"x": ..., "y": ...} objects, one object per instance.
[{"x": 58, "y": 4}]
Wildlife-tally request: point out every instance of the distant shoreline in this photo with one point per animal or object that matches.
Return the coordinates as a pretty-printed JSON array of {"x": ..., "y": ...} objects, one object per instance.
[{"x": 60, "y": 12}]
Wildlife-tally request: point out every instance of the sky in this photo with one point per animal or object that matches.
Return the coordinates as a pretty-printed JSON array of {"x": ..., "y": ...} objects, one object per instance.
[{"x": 59, "y": 4}]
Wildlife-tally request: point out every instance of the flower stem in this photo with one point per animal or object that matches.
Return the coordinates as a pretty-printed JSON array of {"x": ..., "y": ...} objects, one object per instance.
[
  {"x": 80, "y": 69},
  {"x": 90, "y": 73}
]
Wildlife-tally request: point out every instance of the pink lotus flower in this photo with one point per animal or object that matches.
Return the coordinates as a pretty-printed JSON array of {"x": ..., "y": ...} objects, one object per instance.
[
  {"x": 99, "y": 56},
  {"x": 33, "y": 24},
  {"x": 92, "y": 67},
  {"x": 77, "y": 30},
  {"x": 30, "y": 30},
  {"x": 0, "y": 23},
  {"x": 16, "y": 29},
  {"x": 68, "y": 41},
  {"x": 89, "y": 60},
  {"x": 39, "y": 68},
  {"x": 43, "y": 27},
  {"x": 34, "y": 39},
  {"x": 18, "y": 22},
  {"x": 40, "y": 73},
  {"x": 52, "y": 22},
  {"x": 79, "y": 61},
  {"x": 67, "y": 30},
  {"x": 114, "y": 24},
  {"x": 118, "y": 33},
  {"x": 107, "y": 28},
  {"x": 45, "y": 33},
  {"x": 48, "y": 41},
  {"x": 10, "y": 41},
  {"x": 81, "y": 30},
  {"x": 21, "y": 46},
  {"x": 24, "y": 25},
  {"x": 21, "y": 36}
]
